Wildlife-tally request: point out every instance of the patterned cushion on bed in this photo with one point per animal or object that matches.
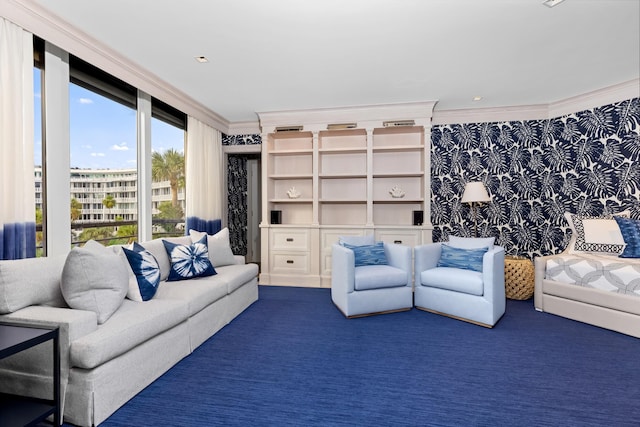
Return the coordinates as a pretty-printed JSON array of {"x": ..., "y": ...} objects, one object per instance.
[{"x": 595, "y": 234}]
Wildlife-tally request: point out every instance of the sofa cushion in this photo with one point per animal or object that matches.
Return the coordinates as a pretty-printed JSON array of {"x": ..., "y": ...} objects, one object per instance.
[
  {"x": 453, "y": 279},
  {"x": 31, "y": 281},
  {"x": 368, "y": 254},
  {"x": 94, "y": 278},
  {"x": 237, "y": 275},
  {"x": 630, "y": 229},
  {"x": 197, "y": 293},
  {"x": 369, "y": 239},
  {"x": 189, "y": 261},
  {"x": 472, "y": 242},
  {"x": 156, "y": 247},
  {"x": 219, "y": 247},
  {"x": 378, "y": 277},
  {"x": 133, "y": 324},
  {"x": 146, "y": 270},
  {"x": 467, "y": 259}
]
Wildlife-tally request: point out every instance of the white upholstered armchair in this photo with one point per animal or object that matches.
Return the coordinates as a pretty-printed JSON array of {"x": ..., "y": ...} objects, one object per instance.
[
  {"x": 383, "y": 284},
  {"x": 463, "y": 279}
]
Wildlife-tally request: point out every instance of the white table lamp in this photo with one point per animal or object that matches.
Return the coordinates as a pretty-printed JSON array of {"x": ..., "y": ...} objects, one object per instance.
[{"x": 475, "y": 192}]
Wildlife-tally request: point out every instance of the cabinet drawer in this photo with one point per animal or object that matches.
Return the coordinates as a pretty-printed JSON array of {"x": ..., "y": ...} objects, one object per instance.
[
  {"x": 288, "y": 263},
  {"x": 407, "y": 238},
  {"x": 289, "y": 240}
]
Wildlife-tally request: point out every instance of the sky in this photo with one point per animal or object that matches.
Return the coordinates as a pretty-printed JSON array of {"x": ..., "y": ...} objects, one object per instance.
[{"x": 103, "y": 132}]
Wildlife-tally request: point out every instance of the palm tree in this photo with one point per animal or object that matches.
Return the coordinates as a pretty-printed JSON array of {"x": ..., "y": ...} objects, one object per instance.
[
  {"x": 76, "y": 209},
  {"x": 109, "y": 201},
  {"x": 169, "y": 166}
]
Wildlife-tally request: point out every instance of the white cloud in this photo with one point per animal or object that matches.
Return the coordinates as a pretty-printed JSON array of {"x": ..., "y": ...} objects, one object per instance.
[
  {"x": 85, "y": 101},
  {"x": 120, "y": 147},
  {"x": 97, "y": 154},
  {"x": 37, "y": 95},
  {"x": 87, "y": 146}
]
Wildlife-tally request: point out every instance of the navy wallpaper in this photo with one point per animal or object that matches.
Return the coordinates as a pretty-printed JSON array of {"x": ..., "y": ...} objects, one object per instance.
[
  {"x": 535, "y": 170},
  {"x": 237, "y": 192}
]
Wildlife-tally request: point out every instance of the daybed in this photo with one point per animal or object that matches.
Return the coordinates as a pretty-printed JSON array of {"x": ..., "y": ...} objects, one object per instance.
[
  {"x": 107, "y": 361},
  {"x": 592, "y": 283}
]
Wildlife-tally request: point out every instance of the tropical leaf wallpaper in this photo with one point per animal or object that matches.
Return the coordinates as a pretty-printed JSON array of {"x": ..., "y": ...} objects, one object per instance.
[
  {"x": 237, "y": 192},
  {"x": 535, "y": 170},
  {"x": 587, "y": 162}
]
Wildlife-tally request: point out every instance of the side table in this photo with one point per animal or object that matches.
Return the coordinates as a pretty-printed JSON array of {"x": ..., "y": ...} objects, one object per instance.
[
  {"x": 519, "y": 280},
  {"x": 22, "y": 410}
]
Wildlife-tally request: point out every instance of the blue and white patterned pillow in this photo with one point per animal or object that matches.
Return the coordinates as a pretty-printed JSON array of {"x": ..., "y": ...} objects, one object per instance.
[
  {"x": 630, "y": 229},
  {"x": 147, "y": 271},
  {"x": 467, "y": 259},
  {"x": 368, "y": 254},
  {"x": 189, "y": 261}
]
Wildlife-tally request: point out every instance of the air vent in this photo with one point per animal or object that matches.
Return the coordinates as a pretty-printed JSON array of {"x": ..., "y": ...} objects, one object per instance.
[
  {"x": 339, "y": 126},
  {"x": 289, "y": 128},
  {"x": 395, "y": 123}
]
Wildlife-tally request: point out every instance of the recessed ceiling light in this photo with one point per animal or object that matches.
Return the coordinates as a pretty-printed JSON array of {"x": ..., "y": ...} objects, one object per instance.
[
  {"x": 551, "y": 3},
  {"x": 477, "y": 98},
  {"x": 202, "y": 59}
]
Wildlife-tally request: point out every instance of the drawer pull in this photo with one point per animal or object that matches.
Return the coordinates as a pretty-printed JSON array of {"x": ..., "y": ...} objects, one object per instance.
[
  {"x": 397, "y": 242},
  {"x": 289, "y": 261},
  {"x": 289, "y": 239}
]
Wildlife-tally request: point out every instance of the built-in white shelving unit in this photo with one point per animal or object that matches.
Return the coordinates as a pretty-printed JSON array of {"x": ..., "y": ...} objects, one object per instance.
[{"x": 335, "y": 172}]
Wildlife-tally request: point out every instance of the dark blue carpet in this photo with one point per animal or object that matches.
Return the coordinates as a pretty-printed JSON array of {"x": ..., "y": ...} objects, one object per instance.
[{"x": 292, "y": 359}]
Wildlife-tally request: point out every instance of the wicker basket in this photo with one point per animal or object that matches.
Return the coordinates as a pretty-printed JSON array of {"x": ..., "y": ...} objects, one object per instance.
[{"x": 518, "y": 277}]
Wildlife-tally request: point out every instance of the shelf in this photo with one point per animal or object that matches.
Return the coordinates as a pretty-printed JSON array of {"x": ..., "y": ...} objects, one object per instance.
[
  {"x": 291, "y": 152},
  {"x": 337, "y": 201},
  {"x": 291, "y": 176},
  {"x": 398, "y": 175},
  {"x": 342, "y": 150},
  {"x": 398, "y": 201},
  {"x": 401, "y": 148},
  {"x": 342, "y": 176},
  {"x": 22, "y": 411},
  {"x": 291, "y": 200}
]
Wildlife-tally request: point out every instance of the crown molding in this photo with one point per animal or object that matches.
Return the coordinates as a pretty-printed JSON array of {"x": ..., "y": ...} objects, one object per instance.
[
  {"x": 244, "y": 128},
  {"x": 596, "y": 98},
  {"x": 35, "y": 19}
]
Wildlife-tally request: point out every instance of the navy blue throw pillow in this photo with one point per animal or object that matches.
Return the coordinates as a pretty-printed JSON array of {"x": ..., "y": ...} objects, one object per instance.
[
  {"x": 146, "y": 269},
  {"x": 189, "y": 261},
  {"x": 630, "y": 229}
]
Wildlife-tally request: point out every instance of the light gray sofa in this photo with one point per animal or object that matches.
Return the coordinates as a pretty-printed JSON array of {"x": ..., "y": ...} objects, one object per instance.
[
  {"x": 105, "y": 365},
  {"x": 611, "y": 310}
]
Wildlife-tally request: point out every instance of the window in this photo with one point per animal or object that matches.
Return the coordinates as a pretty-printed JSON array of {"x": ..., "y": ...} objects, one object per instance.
[
  {"x": 168, "y": 170},
  {"x": 103, "y": 153},
  {"x": 40, "y": 211}
]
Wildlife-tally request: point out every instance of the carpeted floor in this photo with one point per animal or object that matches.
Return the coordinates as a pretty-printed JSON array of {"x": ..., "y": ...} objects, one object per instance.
[{"x": 292, "y": 359}]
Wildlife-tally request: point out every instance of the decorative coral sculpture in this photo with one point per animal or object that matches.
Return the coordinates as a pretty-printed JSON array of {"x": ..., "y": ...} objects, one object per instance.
[
  {"x": 397, "y": 192},
  {"x": 293, "y": 193}
]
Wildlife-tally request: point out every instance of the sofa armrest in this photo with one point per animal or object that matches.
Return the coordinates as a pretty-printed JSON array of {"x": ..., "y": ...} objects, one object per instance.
[
  {"x": 342, "y": 270},
  {"x": 493, "y": 274},
  {"x": 399, "y": 256},
  {"x": 29, "y": 373},
  {"x": 239, "y": 259},
  {"x": 425, "y": 257},
  {"x": 540, "y": 265}
]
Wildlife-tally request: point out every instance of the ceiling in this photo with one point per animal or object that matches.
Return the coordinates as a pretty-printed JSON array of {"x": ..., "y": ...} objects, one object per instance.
[{"x": 273, "y": 55}]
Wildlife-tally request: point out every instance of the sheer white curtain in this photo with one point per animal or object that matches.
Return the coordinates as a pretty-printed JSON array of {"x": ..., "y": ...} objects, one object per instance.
[
  {"x": 17, "y": 187},
  {"x": 203, "y": 177}
]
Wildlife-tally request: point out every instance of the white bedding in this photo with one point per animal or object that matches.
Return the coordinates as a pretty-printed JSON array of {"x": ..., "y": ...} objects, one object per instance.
[{"x": 608, "y": 273}]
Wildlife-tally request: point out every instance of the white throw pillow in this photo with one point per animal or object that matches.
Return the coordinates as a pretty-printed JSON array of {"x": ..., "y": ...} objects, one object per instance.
[
  {"x": 595, "y": 234},
  {"x": 220, "y": 253},
  {"x": 94, "y": 278},
  {"x": 472, "y": 242}
]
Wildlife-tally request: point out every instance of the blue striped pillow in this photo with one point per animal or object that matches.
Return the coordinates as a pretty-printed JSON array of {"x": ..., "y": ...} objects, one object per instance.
[
  {"x": 368, "y": 254},
  {"x": 467, "y": 259},
  {"x": 630, "y": 229}
]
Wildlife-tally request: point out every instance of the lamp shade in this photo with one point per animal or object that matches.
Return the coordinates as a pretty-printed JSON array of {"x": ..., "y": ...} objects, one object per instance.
[{"x": 475, "y": 192}]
